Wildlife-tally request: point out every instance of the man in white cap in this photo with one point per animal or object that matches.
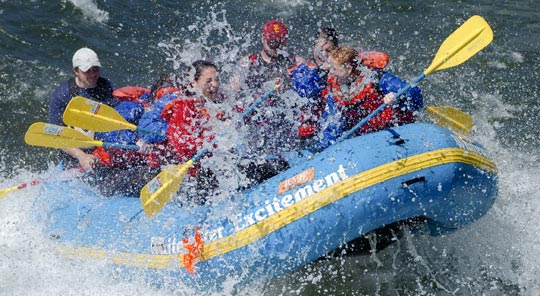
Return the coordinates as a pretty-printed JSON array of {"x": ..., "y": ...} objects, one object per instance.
[{"x": 89, "y": 84}]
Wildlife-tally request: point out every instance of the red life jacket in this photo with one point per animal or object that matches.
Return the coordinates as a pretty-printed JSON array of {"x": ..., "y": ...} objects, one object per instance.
[
  {"x": 165, "y": 90},
  {"x": 131, "y": 93},
  {"x": 375, "y": 60},
  {"x": 188, "y": 127},
  {"x": 363, "y": 98},
  {"x": 309, "y": 117}
]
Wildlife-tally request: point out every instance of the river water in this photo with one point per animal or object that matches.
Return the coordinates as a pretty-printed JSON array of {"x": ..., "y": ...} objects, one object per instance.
[{"x": 139, "y": 40}]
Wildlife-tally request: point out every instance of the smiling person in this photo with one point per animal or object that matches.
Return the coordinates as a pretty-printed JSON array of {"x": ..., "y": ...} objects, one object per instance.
[
  {"x": 272, "y": 64},
  {"x": 87, "y": 83},
  {"x": 188, "y": 116},
  {"x": 185, "y": 120},
  {"x": 354, "y": 90}
]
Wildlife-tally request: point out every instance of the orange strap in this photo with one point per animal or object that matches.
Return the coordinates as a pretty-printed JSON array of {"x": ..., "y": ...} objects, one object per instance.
[
  {"x": 165, "y": 90},
  {"x": 103, "y": 156},
  {"x": 194, "y": 251}
]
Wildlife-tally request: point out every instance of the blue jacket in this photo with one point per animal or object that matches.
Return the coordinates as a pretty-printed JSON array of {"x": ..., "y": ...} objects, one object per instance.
[
  {"x": 413, "y": 100},
  {"x": 152, "y": 121},
  {"x": 307, "y": 82},
  {"x": 67, "y": 90},
  {"x": 132, "y": 112}
]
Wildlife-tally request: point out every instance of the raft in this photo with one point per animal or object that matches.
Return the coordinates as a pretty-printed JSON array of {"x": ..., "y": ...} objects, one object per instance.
[{"x": 322, "y": 203}]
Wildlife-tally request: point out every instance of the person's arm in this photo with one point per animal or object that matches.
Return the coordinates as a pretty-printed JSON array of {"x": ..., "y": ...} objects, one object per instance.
[
  {"x": 59, "y": 100},
  {"x": 239, "y": 75},
  {"x": 299, "y": 60},
  {"x": 413, "y": 100},
  {"x": 86, "y": 160}
]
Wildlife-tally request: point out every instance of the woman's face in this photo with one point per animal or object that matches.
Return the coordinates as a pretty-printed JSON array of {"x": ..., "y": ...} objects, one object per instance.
[
  {"x": 208, "y": 83},
  {"x": 340, "y": 71},
  {"x": 321, "y": 50}
]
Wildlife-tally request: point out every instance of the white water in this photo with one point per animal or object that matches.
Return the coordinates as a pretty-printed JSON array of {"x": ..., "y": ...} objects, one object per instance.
[
  {"x": 501, "y": 249},
  {"x": 497, "y": 253}
]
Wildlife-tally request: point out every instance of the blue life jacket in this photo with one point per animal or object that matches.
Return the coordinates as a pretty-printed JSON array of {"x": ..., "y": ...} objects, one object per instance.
[
  {"x": 132, "y": 112},
  {"x": 152, "y": 121},
  {"x": 331, "y": 126},
  {"x": 307, "y": 82}
]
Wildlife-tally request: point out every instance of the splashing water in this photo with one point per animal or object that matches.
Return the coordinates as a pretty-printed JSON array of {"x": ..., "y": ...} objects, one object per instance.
[
  {"x": 91, "y": 11},
  {"x": 495, "y": 256}
]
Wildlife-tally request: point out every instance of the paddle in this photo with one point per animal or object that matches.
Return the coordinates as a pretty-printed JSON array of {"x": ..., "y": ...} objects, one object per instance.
[
  {"x": 451, "y": 118},
  {"x": 159, "y": 190},
  {"x": 95, "y": 116},
  {"x": 4, "y": 192},
  {"x": 63, "y": 137},
  {"x": 462, "y": 44}
]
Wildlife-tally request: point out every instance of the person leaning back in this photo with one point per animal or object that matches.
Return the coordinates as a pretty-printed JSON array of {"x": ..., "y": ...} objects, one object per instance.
[{"x": 87, "y": 83}]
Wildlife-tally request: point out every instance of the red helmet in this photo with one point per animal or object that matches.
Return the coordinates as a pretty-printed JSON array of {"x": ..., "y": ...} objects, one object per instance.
[{"x": 275, "y": 30}]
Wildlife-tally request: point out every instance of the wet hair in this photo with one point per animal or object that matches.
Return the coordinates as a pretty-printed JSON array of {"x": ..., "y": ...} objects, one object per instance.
[
  {"x": 165, "y": 80},
  {"x": 329, "y": 34},
  {"x": 346, "y": 55},
  {"x": 201, "y": 65}
]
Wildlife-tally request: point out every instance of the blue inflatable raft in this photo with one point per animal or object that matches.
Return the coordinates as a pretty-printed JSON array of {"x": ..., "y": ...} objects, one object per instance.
[{"x": 417, "y": 171}]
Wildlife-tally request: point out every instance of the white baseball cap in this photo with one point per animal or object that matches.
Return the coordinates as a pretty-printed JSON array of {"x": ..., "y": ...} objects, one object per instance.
[{"x": 85, "y": 58}]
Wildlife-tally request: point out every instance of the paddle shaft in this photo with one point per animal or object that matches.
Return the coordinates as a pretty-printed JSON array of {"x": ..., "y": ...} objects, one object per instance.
[
  {"x": 256, "y": 104},
  {"x": 4, "y": 192},
  {"x": 120, "y": 146}
]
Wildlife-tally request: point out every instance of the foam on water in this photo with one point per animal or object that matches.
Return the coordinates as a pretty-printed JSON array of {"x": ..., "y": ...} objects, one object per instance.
[
  {"x": 518, "y": 201},
  {"x": 91, "y": 11}
]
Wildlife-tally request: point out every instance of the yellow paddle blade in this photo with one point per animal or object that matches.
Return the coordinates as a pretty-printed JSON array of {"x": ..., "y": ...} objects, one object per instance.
[
  {"x": 163, "y": 187},
  {"x": 4, "y": 192},
  {"x": 55, "y": 136},
  {"x": 466, "y": 41},
  {"x": 451, "y": 118},
  {"x": 91, "y": 115}
]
